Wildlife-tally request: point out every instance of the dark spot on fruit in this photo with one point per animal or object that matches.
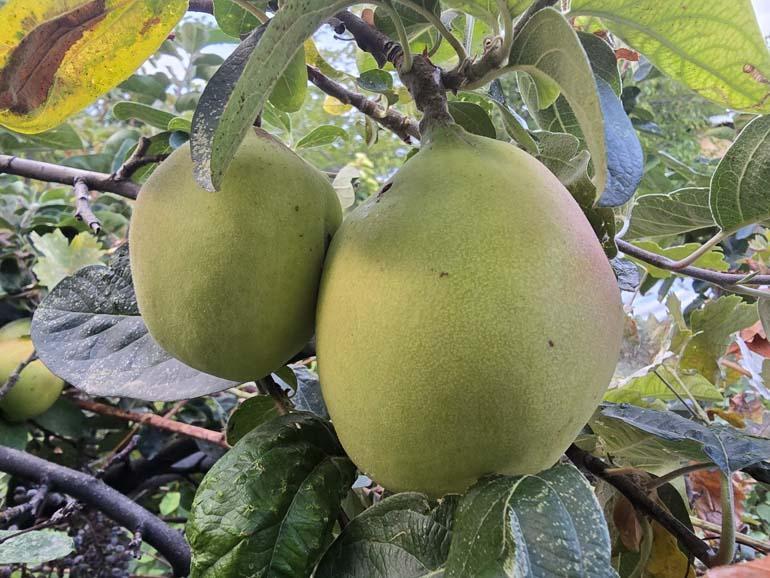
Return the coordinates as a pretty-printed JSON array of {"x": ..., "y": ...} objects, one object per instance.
[
  {"x": 550, "y": 343},
  {"x": 443, "y": 274},
  {"x": 296, "y": 208},
  {"x": 383, "y": 190}
]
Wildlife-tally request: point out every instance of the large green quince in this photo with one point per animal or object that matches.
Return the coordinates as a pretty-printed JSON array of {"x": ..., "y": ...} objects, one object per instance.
[
  {"x": 36, "y": 389},
  {"x": 468, "y": 319},
  {"x": 227, "y": 282}
]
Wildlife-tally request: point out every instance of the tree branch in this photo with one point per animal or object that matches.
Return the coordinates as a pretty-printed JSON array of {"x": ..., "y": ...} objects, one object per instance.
[
  {"x": 405, "y": 127},
  {"x": 154, "y": 420},
  {"x": 96, "y": 493},
  {"x": 206, "y": 6},
  {"x": 83, "y": 210},
  {"x": 137, "y": 160},
  {"x": 371, "y": 40},
  {"x": 14, "y": 377},
  {"x": 51, "y": 173},
  {"x": 722, "y": 279},
  {"x": 643, "y": 503}
]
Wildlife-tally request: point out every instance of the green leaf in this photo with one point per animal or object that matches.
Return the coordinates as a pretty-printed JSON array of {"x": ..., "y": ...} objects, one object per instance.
[
  {"x": 63, "y": 137},
  {"x": 180, "y": 123},
  {"x": 291, "y": 89},
  {"x": 714, "y": 259},
  {"x": 237, "y": 95},
  {"x": 62, "y": 258},
  {"x": 687, "y": 41},
  {"x": 399, "y": 536},
  {"x": 487, "y": 10},
  {"x": 13, "y": 435},
  {"x": 547, "y": 45},
  {"x": 125, "y": 110},
  {"x": 739, "y": 194},
  {"x": 414, "y": 22},
  {"x": 34, "y": 548},
  {"x": 267, "y": 508},
  {"x": 544, "y": 525},
  {"x": 251, "y": 413},
  {"x": 651, "y": 387},
  {"x": 472, "y": 118},
  {"x": 726, "y": 447},
  {"x": 169, "y": 503},
  {"x": 322, "y": 136},
  {"x": 64, "y": 419},
  {"x": 375, "y": 80},
  {"x": 712, "y": 327},
  {"x": 234, "y": 20},
  {"x": 669, "y": 214},
  {"x": 602, "y": 58}
]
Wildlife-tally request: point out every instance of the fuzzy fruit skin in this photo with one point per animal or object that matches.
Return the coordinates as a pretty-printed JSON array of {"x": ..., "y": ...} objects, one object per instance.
[
  {"x": 227, "y": 282},
  {"x": 37, "y": 388},
  {"x": 468, "y": 320}
]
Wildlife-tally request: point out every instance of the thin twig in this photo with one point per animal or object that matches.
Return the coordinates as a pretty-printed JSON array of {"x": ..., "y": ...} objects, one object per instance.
[
  {"x": 715, "y": 277},
  {"x": 268, "y": 386},
  {"x": 139, "y": 158},
  {"x": 96, "y": 493},
  {"x": 763, "y": 547},
  {"x": 403, "y": 126},
  {"x": 83, "y": 210},
  {"x": 120, "y": 456},
  {"x": 642, "y": 502},
  {"x": 14, "y": 377},
  {"x": 32, "y": 506},
  {"x": 52, "y": 173},
  {"x": 155, "y": 421}
]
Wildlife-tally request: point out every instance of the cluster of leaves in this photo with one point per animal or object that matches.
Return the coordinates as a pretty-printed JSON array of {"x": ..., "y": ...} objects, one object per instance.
[{"x": 690, "y": 387}]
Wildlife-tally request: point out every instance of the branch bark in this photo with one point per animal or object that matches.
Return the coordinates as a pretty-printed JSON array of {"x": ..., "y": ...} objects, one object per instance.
[
  {"x": 642, "y": 502},
  {"x": 83, "y": 210},
  {"x": 51, "y": 173},
  {"x": 154, "y": 420},
  {"x": 405, "y": 127},
  {"x": 715, "y": 277},
  {"x": 89, "y": 490}
]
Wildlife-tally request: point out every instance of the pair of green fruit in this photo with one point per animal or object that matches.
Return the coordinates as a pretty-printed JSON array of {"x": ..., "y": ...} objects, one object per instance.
[
  {"x": 466, "y": 317},
  {"x": 37, "y": 388}
]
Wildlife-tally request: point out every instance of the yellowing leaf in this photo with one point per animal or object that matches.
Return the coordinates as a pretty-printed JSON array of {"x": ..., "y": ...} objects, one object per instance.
[
  {"x": 335, "y": 107},
  {"x": 56, "y": 59},
  {"x": 666, "y": 559}
]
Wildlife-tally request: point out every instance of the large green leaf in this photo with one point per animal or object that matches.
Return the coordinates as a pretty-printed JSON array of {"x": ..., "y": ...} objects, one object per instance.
[
  {"x": 725, "y": 446},
  {"x": 739, "y": 193},
  {"x": 548, "y": 46},
  {"x": 672, "y": 213},
  {"x": 268, "y": 506},
  {"x": 400, "y": 536},
  {"x": 237, "y": 94},
  {"x": 34, "y": 548},
  {"x": 540, "y": 526},
  {"x": 234, "y": 20},
  {"x": 291, "y": 89},
  {"x": 716, "y": 47},
  {"x": 652, "y": 387}
]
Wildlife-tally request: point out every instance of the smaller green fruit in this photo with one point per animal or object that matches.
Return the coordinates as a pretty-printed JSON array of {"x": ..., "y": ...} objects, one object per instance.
[
  {"x": 15, "y": 329},
  {"x": 37, "y": 388}
]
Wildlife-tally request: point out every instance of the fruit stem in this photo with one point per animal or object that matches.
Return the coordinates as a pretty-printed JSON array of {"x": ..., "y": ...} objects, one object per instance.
[
  {"x": 424, "y": 83},
  {"x": 726, "y": 550}
]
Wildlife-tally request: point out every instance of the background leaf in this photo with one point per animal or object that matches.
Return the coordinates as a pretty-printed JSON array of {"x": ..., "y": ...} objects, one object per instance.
[
  {"x": 34, "y": 548},
  {"x": 673, "y": 213},
  {"x": 61, "y": 258}
]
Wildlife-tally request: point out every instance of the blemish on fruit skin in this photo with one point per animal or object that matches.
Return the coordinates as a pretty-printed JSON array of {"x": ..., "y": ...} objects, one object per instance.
[
  {"x": 296, "y": 208},
  {"x": 443, "y": 274},
  {"x": 550, "y": 343},
  {"x": 383, "y": 190}
]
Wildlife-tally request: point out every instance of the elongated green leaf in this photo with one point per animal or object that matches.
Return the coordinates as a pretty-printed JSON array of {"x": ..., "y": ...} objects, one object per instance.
[
  {"x": 291, "y": 89},
  {"x": 546, "y": 525},
  {"x": 234, "y": 20},
  {"x": 728, "y": 448},
  {"x": 125, "y": 110},
  {"x": 251, "y": 413},
  {"x": 547, "y": 45},
  {"x": 716, "y": 48},
  {"x": 34, "y": 548},
  {"x": 238, "y": 95},
  {"x": 268, "y": 506},
  {"x": 472, "y": 118},
  {"x": 603, "y": 61},
  {"x": 673, "y": 213},
  {"x": 400, "y": 536},
  {"x": 739, "y": 193},
  {"x": 321, "y": 136}
]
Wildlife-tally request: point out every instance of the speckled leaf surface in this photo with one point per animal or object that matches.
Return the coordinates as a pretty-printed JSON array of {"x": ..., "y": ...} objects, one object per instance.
[
  {"x": 728, "y": 448},
  {"x": 400, "y": 536},
  {"x": 266, "y": 509},
  {"x": 242, "y": 85},
  {"x": 540, "y": 526},
  {"x": 739, "y": 193},
  {"x": 716, "y": 47},
  {"x": 88, "y": 331},
  {"x": 83, "y": 49},
  {"x": 34, "y": 548},
  {"x": 547, "y": 45},
  {"x": 668, "y": 214}
]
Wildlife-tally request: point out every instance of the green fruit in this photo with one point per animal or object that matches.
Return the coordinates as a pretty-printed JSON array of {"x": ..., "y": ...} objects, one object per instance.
[
  {"x": 15, "y": 329},
  {"x": 468, "y": 319},
  {"x": 37, "y": 388},
  {"x": 227, "y": 281}
]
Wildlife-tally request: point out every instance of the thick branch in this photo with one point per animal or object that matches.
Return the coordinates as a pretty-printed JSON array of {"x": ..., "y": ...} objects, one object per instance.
[
  {"x": 425, "y": 85},
  {"x": 403, "y": 126},
  {"x": 96, "y": 493},
  {"x": 371, "y": 40},
  {"x": 51, "y": 173},
  {"x": 643, "y": 503},
  {"x": 715, "y": 277},
  {"x": 156, "y": 421}
]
